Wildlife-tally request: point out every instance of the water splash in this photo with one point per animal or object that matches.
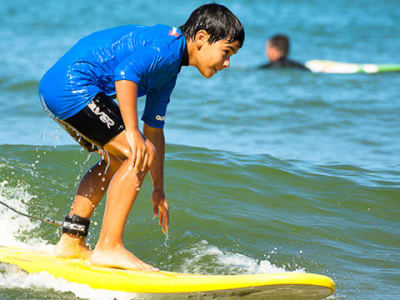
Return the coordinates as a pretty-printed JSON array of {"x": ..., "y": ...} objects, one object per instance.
[
  {"x": 203, "y": 255},
  {"x": 11, "y": 223},
  {"x": 12, "y": 277}
]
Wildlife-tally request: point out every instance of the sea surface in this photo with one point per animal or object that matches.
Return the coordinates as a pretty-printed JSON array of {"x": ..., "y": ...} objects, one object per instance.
[{"x": 266, "y": 171}]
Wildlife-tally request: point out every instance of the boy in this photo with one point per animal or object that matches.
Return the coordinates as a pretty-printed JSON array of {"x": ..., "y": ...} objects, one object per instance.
[
  {"x": 277, "y": 51},
  {"x": 128, "y": 62}
]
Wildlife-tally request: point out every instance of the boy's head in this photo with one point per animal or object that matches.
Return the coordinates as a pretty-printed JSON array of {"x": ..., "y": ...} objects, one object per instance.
[
  {"x": 277, "y": 47},
  {"x": 213, "y": 34},
  {"x": 217, "y": 20}
]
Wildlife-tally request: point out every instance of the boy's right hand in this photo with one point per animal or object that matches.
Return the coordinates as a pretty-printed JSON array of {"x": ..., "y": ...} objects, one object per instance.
[
  {"x": 140, "y": 154},
  {"x": 160, "y": 209}
]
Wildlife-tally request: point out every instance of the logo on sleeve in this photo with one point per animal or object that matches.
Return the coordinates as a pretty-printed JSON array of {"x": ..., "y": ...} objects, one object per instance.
[
  {"x": 160, "y": 118},
  {"x": 174, "y": 32}
]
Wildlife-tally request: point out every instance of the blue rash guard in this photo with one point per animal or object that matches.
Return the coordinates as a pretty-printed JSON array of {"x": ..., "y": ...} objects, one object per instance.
[{"x": 149, "y": 56}]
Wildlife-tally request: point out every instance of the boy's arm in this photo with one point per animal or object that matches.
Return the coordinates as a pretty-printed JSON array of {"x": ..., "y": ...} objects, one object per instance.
[
  {"x": 160, "y": 205},
  {"x": 127, "y": 99}
]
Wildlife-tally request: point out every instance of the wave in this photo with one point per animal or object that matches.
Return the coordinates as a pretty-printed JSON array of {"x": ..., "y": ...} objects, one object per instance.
[{"x": 230, "y": 213}]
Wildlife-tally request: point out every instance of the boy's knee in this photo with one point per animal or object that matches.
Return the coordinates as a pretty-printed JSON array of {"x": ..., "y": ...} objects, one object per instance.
[
  {"x": 111, "y": 160},
  {"x": 114, "y": 163},
  {"x": 120, "y": 154}
]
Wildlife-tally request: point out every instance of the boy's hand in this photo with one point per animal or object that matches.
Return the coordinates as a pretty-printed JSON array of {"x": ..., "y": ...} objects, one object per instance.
[
  {"x": 160, "y": 209},
  {"x": 140, "y": 153}
]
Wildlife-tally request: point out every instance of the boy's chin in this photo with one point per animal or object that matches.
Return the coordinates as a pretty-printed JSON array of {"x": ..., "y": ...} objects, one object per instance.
[{"x": 207, "y": 73}]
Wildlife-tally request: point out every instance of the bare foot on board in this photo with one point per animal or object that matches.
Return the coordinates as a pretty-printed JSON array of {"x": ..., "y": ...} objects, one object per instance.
[{"x": 121, "y": 258}]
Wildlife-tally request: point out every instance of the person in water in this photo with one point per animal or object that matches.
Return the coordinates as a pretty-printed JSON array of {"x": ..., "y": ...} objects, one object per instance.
[
  {"x": 277, "y": 51},
  {"x": 125, "y": 63}
]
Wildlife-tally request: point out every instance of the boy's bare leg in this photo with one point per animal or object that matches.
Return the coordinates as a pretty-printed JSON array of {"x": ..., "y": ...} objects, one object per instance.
[
  {"x": 90, "y": 191},
  {"x": 122, "y": 193}
]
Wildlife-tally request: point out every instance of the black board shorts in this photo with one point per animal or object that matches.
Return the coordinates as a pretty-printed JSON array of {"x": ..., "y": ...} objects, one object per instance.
[{"x": 96, "y": 124}]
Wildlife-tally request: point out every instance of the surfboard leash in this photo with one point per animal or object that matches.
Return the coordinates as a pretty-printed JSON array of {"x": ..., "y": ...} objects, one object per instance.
[{"x": 46, "y": 220}]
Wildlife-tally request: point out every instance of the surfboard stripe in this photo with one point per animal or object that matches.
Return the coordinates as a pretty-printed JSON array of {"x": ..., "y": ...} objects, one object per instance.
[{"x": 335, "y": 67}]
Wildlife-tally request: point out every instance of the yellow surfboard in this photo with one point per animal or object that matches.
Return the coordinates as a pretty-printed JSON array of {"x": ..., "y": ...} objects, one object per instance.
[{"x": 287, "y": 285}]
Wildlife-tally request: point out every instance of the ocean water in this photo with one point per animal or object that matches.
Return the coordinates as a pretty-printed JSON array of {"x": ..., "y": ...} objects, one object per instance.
[{"x": 266, "y": 171}]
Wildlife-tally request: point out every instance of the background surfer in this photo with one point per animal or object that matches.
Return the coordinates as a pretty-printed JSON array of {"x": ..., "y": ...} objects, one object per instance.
[{"x": 277, "y": 50}]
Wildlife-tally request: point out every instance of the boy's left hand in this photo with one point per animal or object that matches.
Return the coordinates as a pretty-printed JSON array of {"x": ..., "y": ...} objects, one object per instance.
[{"x": 160, "y": 209}]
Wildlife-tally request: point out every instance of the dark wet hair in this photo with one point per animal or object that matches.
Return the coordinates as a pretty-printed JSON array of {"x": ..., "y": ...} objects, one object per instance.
[
  {"x": 280, "y": 42},
  {"x": 217, "y": 20}
]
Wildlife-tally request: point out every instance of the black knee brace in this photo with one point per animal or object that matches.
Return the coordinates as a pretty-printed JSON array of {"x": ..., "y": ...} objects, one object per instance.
[{"x": 76, "y": 225}]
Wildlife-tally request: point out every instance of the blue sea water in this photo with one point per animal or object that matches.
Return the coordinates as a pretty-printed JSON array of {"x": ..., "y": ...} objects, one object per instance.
[{"x": 265, "y": 170}]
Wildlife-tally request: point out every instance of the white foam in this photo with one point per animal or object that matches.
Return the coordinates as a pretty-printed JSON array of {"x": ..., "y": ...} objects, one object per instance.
[
  {"x": 234, "y": 262},
  {"x": 12, "y": 223},
  {"x": 15, "y": 278}
]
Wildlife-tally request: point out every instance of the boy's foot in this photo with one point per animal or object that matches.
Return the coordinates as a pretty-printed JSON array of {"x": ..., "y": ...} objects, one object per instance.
[
  {"x": 70, "y": 246},
  {"x": 121, "y": 258}
]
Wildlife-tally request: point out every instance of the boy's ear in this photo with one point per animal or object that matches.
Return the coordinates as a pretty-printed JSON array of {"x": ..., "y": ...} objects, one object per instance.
[{"x": 201, "y": 38}]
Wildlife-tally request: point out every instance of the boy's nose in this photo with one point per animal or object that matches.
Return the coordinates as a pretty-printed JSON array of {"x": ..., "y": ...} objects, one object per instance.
[{"x": 226, "y": 63}]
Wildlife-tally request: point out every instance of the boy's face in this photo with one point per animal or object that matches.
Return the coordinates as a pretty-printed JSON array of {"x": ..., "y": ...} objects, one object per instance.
[{"x": 214, "y": 57}]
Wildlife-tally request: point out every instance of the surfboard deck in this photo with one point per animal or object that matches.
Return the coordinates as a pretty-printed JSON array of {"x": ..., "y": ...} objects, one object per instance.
[
  {"x": 335, "y": 67},
  {"x": 170, "y": 285}
]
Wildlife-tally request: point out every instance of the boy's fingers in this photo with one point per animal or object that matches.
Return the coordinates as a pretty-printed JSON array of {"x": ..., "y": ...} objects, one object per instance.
[
  {"x": 165, "y": 218},
  {"x": 164, "y": 226},
  {"x": 155, "y": 211},
  {"x": 135, "y": 157},
  {"x": 145, "y": 161},
  {"x": 151, "y": 157},
  {"x": 165, "y": 229},
  {"x": 138, "y": 160},
  {"x": 166, "y": 221}
]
